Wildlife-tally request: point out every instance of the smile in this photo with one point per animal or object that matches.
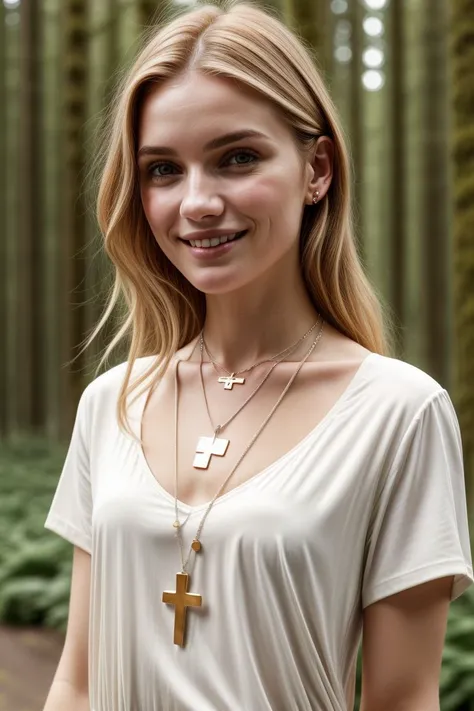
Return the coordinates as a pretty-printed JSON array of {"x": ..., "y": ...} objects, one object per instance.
[{"x": 214, "y": 242}]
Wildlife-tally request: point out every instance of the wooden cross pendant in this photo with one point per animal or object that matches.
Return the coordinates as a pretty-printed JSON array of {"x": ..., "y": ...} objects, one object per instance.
[
  {"x": 181, "y": 599},
  {"x": 229, "y": 381},
  {"x": 206, "y": 447}
]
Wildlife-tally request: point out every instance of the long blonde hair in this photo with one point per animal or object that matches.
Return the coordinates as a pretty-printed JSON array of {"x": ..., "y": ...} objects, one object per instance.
[{"x": 163, "y": 311}]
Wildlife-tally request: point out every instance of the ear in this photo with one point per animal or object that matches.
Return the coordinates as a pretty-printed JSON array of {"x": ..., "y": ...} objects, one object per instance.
[{"x": 319, "y": 168}]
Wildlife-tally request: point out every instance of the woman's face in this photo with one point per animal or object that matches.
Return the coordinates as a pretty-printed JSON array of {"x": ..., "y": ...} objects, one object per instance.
[{"x": 198, "y": 178}]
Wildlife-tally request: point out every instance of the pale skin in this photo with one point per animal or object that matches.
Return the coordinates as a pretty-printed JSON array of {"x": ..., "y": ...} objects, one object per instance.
[{"x": 257, "y": 305}]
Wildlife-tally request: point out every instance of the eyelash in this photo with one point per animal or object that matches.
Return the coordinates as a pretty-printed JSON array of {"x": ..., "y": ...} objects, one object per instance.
[{"x": 237, "y": 151}]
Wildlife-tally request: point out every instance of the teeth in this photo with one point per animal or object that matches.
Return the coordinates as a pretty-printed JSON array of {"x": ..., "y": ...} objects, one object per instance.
[{"x": 212, "y": 242}]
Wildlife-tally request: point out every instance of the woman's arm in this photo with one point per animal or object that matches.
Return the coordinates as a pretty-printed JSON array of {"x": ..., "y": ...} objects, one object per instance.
[
  {"x": 403, "y": 639},
  {"x": 62, "y": 695},
  {"x": 70, "y": 688}
]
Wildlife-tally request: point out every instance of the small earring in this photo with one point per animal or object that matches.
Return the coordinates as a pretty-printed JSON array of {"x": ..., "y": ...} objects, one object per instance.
[{"x": 316, "y": 197}]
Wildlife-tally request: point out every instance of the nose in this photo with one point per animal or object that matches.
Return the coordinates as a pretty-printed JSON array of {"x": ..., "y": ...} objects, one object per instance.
[{"x": 200, "y": 198}]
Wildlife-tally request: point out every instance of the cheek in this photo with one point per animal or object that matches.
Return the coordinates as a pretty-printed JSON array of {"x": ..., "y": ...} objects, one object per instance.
[
  {"x": 274, "y": 193},
  {"x": 157, "y": 216},
  {"x": 152, "y": 209},
  {"x": 261, "y": 197},
  {"x": 274, "y": 201}
]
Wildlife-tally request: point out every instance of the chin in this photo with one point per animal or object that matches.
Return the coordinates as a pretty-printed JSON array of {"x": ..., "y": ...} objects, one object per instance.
[{"x": 220, "y": 282}]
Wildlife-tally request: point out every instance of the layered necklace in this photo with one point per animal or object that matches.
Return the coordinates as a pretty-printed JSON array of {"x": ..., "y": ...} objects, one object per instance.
[
  {"x": 181, "y": 598},
  {"x": 217, "y": 446}
]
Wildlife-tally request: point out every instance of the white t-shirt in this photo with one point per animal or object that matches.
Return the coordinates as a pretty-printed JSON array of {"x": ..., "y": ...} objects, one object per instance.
[{"x": 371, "y": 502}]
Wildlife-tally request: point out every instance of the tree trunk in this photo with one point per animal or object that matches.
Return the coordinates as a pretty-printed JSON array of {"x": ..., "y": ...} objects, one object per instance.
[
  {"x": 436, "y": 190},
  {"x": 30, "y": 316},
  {"x": 463, "y": 144},
  {"x": 307, "y": 19},
  {"x": 3, "y": 222},
  {"x": 415, "y": 290},
  {"x": 11, "y": 218},
  {"x": 113, "y": 46},
  {"x": 398, "y": 215},
  {"x": 74, "y": 221},
  {"x": 357, "y": 103},
  {"x": 52, "y": 194}
]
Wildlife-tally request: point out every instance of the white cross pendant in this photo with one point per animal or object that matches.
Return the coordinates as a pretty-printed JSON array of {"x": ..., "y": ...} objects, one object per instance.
[
  {"x": 206, "y": 447},
  {"x": 229, "y": 381}
]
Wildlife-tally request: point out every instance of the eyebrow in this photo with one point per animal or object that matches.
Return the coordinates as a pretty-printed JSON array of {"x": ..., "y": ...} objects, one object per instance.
[{"x": 215, "y": 143}]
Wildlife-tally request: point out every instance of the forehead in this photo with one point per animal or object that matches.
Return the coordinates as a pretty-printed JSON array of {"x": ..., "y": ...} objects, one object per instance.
[{"x": 200, "y": 105}]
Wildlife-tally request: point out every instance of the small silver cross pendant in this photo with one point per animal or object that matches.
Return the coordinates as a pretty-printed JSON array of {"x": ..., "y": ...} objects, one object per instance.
[{"x": 230, "y": 380}]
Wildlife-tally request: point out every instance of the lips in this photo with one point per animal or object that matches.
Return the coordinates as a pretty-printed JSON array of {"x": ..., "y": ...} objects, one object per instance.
[{"x": 214, "y": 242}]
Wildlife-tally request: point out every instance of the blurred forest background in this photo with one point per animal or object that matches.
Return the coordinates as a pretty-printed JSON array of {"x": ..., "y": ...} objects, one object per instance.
[{"x": 402, "y": 75}]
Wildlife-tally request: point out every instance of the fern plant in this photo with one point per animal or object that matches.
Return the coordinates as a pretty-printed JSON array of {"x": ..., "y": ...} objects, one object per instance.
[
  {"x": 35, "y": 565},
  {"x": 457, "y": 673}
]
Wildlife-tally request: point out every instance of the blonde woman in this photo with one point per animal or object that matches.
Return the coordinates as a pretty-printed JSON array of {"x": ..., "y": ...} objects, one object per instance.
[{"x": 260, "y": 482}]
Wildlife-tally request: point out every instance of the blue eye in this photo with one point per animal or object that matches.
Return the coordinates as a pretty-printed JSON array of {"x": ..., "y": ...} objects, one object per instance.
[
  {"x": 238, "y": 152},
  {"x": 155, "y": 166},
  {"x": 247, "y": 154}
]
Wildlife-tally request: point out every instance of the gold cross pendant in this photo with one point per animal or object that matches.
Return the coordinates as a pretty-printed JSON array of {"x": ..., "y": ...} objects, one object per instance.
[
  {"x": 181, "y": 599},
  {"x": 229, "y": 381},
  {"x": 206, "y": 447}
]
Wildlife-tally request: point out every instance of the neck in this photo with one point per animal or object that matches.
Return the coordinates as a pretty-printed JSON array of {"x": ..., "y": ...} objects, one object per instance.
[{"x": 256, "y": 323}]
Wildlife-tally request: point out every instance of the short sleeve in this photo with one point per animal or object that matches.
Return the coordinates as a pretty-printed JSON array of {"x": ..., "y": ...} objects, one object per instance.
[
  {"x": 419, "y": 529},
  {"x": 70, "y": 514}
]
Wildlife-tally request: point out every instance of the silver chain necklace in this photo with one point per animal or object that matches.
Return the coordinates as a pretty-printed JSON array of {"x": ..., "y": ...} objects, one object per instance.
[
  {"x": 231, "y": 378},
  {"x": 181, "y": 598},
  {"x": 207, "y": 447}
]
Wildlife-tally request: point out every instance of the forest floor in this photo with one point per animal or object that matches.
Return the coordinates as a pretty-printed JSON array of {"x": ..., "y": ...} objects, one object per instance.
[{"x": 28, "y": 659}]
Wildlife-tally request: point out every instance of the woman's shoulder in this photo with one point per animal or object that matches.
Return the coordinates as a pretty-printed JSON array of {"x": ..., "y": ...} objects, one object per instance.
[
  {"x": 399, "y": 375},
  {"x": 384, "y": 377},
  {"x": 401, "y": 391},
  {"x": 107, "y": 385}
]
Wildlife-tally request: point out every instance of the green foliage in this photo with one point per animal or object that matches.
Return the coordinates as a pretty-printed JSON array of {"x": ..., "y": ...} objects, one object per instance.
[
  {"x": 457, "y": 674},
  {"x": 462, "y": 64},
  {"x": 35, "y": 565}
]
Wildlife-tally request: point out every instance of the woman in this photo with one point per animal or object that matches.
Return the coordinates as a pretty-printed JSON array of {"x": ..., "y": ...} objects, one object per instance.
[{"x": 277, "y": 484}]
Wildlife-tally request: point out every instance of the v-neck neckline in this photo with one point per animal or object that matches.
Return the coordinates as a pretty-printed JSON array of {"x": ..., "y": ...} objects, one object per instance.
[{"x": 143, "y": 399}]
